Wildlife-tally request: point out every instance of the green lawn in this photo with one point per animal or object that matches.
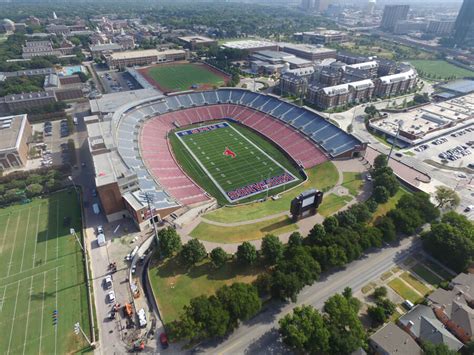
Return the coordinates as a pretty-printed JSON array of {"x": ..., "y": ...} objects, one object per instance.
[
  {"x": 332, "y": 203},
  {"x": 322, "y": 177},
  {"x": 440, "y": 68},
  {"x": 174, "y": 286},
  {"x": 182, "y": 76},
  {"x": 42, "y": 271},
  {"x": 353, "y": 182},
  {"x": 404, "y": 290},
  {"x": 415, "y": 283},
  {"x": 224, "y": 156},
  {"x": 440, "y": 270},
  {"x": 383, "y": 208},
  {"x": 426, "y": 274}
]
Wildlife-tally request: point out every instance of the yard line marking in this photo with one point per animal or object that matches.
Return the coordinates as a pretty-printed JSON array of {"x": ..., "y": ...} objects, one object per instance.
[
  {"x": 26, "y": 238},
  {"x": 5, "y": 234},
  {"x": 28, "y": 315},
  {"x": 13, "y": 320},
  {"x": 13, "y": 249},
  {"x": 47, "y": 238},
  {"x": 42, "y": 313},
  {"x": 36, "y": 235},
  {"x": 3, "y": 297},
  {"x": 56, "y": 308}
]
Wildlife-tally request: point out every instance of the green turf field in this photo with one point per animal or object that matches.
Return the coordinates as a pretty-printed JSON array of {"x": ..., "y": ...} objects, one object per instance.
[
  {"x": 252, "y": 167},
  {"x": 440, "y": 69},
  {"x": 41, "y": 271},
  {"x": 179, "y": 77}
]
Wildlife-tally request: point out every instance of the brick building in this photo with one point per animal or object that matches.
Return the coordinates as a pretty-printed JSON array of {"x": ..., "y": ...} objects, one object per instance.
[{"x": 15, "y": 132}]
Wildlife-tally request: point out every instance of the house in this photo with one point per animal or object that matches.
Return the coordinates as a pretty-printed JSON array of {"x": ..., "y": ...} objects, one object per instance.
[
  {"x": 392, "y": 340},
  {"x": 422, "y": 323}
]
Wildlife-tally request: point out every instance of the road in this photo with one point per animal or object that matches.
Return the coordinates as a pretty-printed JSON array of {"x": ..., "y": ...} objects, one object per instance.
[{"x": 260, "y": 335}]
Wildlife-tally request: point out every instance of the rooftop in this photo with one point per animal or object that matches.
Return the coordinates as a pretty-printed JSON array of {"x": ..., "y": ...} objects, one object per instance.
[
  {"x": 393, "y": 340},
  {"x": 11, "y": 128},
  {"x": 110, "y": 102},
  {"x": 196, "y": 39},
  {"x": 105, "y": 47},
  {"x": 249, "y": 44},
  {"x": 308, "y": 48},
  {"x": 143, "y": 53},
  {"x": 460, "y": 86}
]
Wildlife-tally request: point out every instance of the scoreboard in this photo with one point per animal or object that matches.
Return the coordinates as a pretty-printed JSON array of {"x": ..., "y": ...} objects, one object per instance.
[{"x": 306, "y": 204}]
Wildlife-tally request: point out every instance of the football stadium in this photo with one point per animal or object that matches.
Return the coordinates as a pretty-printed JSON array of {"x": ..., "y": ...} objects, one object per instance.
[{"x": 226, "y": 146}]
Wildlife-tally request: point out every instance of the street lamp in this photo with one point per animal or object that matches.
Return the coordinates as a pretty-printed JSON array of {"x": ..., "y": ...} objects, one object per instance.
[
  {"x": 73, "y": 184},
  {"x": 400, "y": 124}
]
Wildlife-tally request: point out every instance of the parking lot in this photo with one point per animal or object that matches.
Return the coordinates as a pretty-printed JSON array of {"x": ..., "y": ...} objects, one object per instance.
[
  {"x": 114, "y": 81},
  {"x": 454, "y": 149}
]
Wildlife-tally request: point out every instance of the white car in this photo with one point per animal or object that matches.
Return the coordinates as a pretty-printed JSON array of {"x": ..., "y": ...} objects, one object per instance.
[
  {"x": 369, "y": 177},
  {"x": 469, "y": 208},
  {"x": 100, "y": 230},
  {"x": 111, "y": 296},
  {"x": 108, "y": 282}
]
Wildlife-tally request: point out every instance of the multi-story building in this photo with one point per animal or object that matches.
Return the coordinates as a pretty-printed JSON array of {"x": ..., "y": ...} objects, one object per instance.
[
  {"x": 14, "y": 135},
  {"x": 323, "y": 37},
  {"x": 252, "y": 45},
  {"x": 464, "y": 26},
  {"x": 330, "y": 76},
  {"x": 58, "y": 30},
  {"x": 396, "y": 83},
  {"x": 404, "y": 27},
  {"x": 18, "y": 102},
  {"x": 127, "y": 42},
  {"x": 307, "y": 51},
  {"x": 392, "y": 14},
  {"x": 440, "y": 27},
  {"x": 295, "y": 81},
  {"x": 351, "y": 58},
  {"x": 196, "y": 42},
  {"x": 340, "y": 95},
  {"x": 386, "y": 67},
  {"x": 370, "y": 67},
  {"x": 100, "y": 50},
  {"x": 121, "y": 60},
  {"x": 39, "y": 49}
]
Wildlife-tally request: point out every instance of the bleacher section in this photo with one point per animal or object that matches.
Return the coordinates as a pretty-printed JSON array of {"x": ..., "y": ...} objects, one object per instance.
[{"x": 143, "y": 145}]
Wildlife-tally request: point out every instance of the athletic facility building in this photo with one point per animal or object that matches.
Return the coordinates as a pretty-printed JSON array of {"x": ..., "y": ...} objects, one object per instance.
[{"x": 223, "y": 134}]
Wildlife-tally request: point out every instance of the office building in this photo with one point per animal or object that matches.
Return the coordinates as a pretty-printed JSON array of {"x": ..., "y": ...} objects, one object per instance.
[
  {"x": 196, "y": 42},
  {"x": 440, "y": 27},
  {"x": 404, "y": 27},
  {"x": 392, "y": 14},
  {"x": 33, "y": 49},
  {"x": 322, "y": 37},
  {"x": 464, "y": 26},
  {"x": 15, "y": 132},
  {"x": 308, "y": 51},
  {"x": 121, "y": 60}
]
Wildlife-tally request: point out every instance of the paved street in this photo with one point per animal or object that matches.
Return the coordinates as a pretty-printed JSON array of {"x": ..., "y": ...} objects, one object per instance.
[{"x": 260, "y": 335}]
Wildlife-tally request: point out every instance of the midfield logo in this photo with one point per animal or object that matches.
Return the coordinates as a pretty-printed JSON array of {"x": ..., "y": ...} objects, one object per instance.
[{"x": 229, "y": 153}]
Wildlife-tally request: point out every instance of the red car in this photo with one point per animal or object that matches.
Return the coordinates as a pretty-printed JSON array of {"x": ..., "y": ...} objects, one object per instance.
[{"x": 164, "y": 341}]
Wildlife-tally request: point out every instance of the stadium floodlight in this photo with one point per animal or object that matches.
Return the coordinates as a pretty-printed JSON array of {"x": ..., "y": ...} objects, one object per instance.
[
  {"x": 400, "y": 125},
  {"x": 73, "y": 232},
  {"x": 149, "y": 197},
  {"x": 78, "y": 329}
]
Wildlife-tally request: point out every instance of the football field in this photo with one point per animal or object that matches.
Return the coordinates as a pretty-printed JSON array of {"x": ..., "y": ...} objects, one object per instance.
[
  {"x": 236, "y": 166},
  {"x": 42, "y": 278}
]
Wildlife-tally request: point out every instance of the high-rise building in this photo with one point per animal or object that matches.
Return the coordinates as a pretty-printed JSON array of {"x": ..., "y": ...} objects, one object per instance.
[
  {"x": 464, "y": 26},
  {"x": 392, "y": 14},
  {"x": 307, "y": 4},
  {"x": 371, "y": 7}
]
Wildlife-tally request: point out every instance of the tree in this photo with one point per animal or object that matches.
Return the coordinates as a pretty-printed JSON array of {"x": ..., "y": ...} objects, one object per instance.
[
  {"x": 405, "y": 221},
  {"x": 377, "y": 314},
  {"x": 330, "y": 224},
  {"x": 446, "y": 197},
  {"x": 33, "y": 190},
  {"x": 379, "y": 292},
  {"x": 437, "y": 349},
  {"x": 346, "y": 331},
  {"x": 246, "y": 253},
  {"x": 192, "y": 252},
  {"x": 285, "y": 286},
  {"x": 241, "y": 300},
  {"x": 272, "y": 249},
  {"x": 389, "y": 181},
  {"x": 386, "y": 226},
  {"x": 381, "y": 194},
  {"x": 316, "y": 234},
  {"x": 295, "y": 240},
  {"x": 212, "y": 318},
  {"x": 263, "y": 283},
  {"x": 380, "y": 161},
  {"x": 305, "y": 331},
  {"x": 218, "y": 257},
  {"x": 170, "y": 241},
  {"x": 299, "y": 261}
]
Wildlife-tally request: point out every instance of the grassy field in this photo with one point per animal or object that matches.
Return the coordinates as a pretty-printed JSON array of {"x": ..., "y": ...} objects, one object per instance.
[
  {"x": 232, "y": 168},
  {"x": 383, "y": 208},
  {"x": 183, "y": 76},
  {"x": 353, "y": 182},
  {"x": 440, "y": 68},
  {"x": 42, "y": 271},
  {"x": 174, "y": 286},
  {"x": 415, "y": 283},
  {"x": 441, "y": 271},
  {"x": 322, "y": 177},
  {"x": 218, "y": 234},
  {"x": 237, "y": 167},
  {"x": 332, "y": 203},
  {"x": 404, "y": 290},
  {"x": 426, "y": 274}
]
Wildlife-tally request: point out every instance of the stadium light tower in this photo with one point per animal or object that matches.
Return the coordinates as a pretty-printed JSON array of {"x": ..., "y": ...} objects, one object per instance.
[
  {"x": 78, "y": 329},
  {"x": 73, "y": 232},
  {"x": 400, "y": 125},
  {"x": 149, "y": 197}
]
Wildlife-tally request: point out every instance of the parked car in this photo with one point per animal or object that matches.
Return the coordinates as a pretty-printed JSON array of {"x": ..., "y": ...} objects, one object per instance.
[
  {"x": 111, "y": 296},
  {"x": 100, "y": 230},
  {"x": 164, "y": 341},
  {"x": 469, "y": 208}
]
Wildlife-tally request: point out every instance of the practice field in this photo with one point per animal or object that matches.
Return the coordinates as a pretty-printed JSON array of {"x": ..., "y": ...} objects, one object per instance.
[
  {"x": 225, "y": 157},
  {"x": 439, "y": 69},
  {"x": 183, "y": 76},
  {"x": 42, "y": 280}
]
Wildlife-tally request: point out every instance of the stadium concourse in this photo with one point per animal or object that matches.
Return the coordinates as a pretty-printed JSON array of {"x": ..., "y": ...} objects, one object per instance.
[{"x": 307, "y": 138}]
